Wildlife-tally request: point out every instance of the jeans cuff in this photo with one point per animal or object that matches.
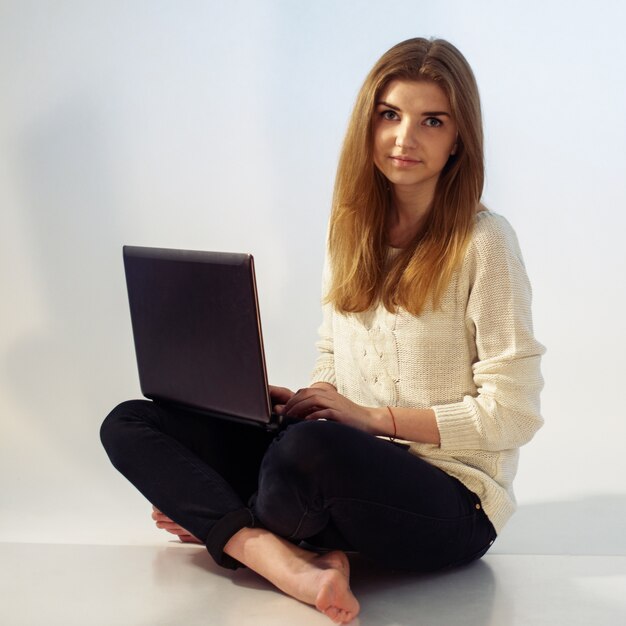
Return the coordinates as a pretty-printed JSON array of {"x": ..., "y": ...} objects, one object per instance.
[{"x": 222, "y": 531}]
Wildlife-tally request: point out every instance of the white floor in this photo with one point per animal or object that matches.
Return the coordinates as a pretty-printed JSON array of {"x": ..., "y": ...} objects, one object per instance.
[{"x": 171, "y": 584}]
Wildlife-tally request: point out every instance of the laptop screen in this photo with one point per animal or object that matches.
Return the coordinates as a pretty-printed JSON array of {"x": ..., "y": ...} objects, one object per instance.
[{"x": 197, "y": 330}]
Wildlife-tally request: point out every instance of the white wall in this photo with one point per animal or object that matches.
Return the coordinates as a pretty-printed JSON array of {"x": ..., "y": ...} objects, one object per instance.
[{"x": 215, "y": 125}]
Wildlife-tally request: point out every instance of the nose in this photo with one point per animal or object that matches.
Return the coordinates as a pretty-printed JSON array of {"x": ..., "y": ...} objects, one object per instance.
[{"x": 406, "y": 136}]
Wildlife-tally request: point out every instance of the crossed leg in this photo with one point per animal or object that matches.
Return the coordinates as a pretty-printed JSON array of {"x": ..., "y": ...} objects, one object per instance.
[{"x": 320, "y": 580}]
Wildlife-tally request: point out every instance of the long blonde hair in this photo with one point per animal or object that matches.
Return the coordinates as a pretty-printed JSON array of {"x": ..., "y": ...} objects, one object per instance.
[{"x": 357, "y": 241}]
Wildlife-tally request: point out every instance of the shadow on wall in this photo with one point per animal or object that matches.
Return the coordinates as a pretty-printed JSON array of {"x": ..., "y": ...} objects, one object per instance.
[
  {"x": 590, "y": 526},
  {"x": 69, "y": 213}
]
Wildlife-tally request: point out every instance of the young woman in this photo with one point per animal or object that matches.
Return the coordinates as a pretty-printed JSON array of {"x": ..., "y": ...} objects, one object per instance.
[{"x": 427, "y": 381}]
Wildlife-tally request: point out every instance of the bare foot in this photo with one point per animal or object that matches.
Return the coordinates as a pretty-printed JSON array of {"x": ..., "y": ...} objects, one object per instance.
[
  {"x": 320, "y": 580},
  {"x": 164, "y": 522},
  {"x": 334, "y": 597}
]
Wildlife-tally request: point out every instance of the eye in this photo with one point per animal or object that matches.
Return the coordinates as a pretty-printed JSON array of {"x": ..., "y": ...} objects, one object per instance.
[
  {"x": 433, "y": 122},
  {"x": 389, "y": 114}
]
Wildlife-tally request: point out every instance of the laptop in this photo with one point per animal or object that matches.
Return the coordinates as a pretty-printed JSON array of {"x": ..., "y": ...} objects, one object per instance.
[{"x": 197, "y": 332}]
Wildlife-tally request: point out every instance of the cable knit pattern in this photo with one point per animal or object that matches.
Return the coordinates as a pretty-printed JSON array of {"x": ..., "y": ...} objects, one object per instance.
[{"x": 474, "y": 361}]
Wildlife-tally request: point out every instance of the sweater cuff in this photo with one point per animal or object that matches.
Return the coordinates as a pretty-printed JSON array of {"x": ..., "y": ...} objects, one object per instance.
[
  {"x": 458, "y": 425},
  {"x": 324, "y": 375}
]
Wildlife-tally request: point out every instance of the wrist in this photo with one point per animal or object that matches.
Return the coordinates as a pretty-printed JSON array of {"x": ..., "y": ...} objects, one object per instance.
[
  {"x": 380, "y": 422},
  {"x": 323, "y": 385}
]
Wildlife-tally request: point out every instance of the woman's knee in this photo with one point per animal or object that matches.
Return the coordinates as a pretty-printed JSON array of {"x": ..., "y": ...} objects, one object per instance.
[
  {"x": 114, "y": 431},
  {"x": 297, "y": 474},
  {"x": 307, "y": 448}
]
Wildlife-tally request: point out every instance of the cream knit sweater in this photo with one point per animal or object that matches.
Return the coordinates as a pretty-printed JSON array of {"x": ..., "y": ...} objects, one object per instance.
[{"x": 474, "y": 361}]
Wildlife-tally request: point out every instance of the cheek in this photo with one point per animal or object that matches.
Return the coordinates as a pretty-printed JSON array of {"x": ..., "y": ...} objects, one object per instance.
[
  {"x": 382, "y": 140},
  {"x": 444, "y": 151},
  {"x": 378, "y": 147}
]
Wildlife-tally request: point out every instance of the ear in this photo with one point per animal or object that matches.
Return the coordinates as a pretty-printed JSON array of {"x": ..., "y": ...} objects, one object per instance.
[{"x": 456, "y": 145}]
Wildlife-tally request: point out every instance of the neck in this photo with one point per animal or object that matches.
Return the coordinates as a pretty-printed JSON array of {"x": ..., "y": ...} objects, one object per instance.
[{"x": 410, "y": 209}]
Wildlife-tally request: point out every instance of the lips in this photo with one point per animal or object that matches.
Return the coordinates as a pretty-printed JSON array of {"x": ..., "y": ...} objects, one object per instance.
[{"x": 403, "y": 161}]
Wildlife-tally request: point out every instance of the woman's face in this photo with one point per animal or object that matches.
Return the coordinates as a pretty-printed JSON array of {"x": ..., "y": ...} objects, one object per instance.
[{"x": 414, "y": 135}]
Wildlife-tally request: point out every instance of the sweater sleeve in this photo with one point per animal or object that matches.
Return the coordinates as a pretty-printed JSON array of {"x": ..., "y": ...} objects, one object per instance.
[
  {"x": 505, "y": 412},
  {"x": 324, "y": 370}
]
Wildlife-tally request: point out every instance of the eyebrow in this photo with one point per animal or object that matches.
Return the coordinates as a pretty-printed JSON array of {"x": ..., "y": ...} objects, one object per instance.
[{"x": 425, "y": 113}]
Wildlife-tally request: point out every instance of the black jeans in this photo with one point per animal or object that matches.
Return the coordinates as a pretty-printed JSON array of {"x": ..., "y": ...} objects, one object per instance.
[{"x": 325, "y": 483}]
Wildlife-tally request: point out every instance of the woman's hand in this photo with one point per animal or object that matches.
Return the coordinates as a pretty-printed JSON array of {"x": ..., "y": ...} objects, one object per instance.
[
  {"x": 279, "y": 396},
  {"x": 322, "y": 401}
]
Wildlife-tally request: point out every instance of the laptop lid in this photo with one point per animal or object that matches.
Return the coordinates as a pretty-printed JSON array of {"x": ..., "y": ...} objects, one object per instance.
[{"x": 197, "y": 331}]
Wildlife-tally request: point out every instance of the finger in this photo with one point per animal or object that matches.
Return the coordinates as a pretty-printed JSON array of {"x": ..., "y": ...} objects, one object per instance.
[
  {"x": 307, "y": 405},
  {"x": 323, "y": 414},
  {"x": 280, "y": 394},
  {"x": 294, "y": 398},
  {"x": 301, "y": 408},
  {"x": 302, "y": 401}
]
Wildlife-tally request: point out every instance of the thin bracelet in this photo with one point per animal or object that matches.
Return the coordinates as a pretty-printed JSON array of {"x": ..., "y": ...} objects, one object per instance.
[{"x": 393, "y": 419}]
